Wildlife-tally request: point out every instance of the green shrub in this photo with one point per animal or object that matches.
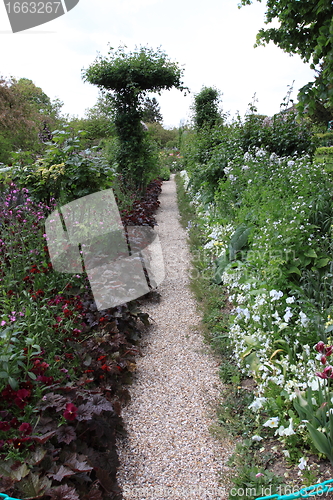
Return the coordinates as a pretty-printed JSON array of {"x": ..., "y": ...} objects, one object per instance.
[
  {"x": 165, "y": 174},
  {"x": 325, "y": 151},
  {"x": 64, "y": 172}
]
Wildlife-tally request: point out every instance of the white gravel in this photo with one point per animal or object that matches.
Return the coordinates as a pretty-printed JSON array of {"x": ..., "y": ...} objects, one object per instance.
[{"x": 169, "y": 452}]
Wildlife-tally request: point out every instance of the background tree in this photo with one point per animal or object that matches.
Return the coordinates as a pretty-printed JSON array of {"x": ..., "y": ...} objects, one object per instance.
[
  {"x": 151, "y": 111},
  {"x": 25, "y": 110},
  {"x": 305, "y": 28},
  {"x": 206, "y": 108},
  {"x": 128, "y": 77},
  {"x": 98, "y": 122}
]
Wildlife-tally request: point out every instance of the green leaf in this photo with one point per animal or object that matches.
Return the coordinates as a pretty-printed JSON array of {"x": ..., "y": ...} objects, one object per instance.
[
  {"x": 294, "y": 270},
  {"x": 246, "y": 352},
  {"x": 20, "y": 472},
  {"x": 238, "y": 240},
  {"x": 253, "y": 361},
  {"x": 13, "y": 383},
  {"x": 320, "y": 440},
  {"x": 322, "y": 262},
  {"x": 311, "y": 253},
  {"x": 33, "y": 487}
]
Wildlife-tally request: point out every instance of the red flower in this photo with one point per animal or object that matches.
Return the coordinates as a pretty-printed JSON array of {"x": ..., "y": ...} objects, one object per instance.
[
  {"x": 328, "y": 350},
  {"x": 19, "y": 443},
  {"x": 25, "y": 428},
  {"x": 323, "y": 360},
  {"x": 21, "y": 397},
  {"x": 4, "y": 426},
  {"x": 320, "y": 346},
  {"x": 45, "y": 380},
  {"x": 8, "y": 393},
  {"x": 14, "y": 423},
  {"x": 326, "y": 373},
  {"x": 70, "y": 412},
  {"x": 105, "y": 368}
]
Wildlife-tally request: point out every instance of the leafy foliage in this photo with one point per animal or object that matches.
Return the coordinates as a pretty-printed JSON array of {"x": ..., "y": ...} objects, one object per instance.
[
  {"x": 206, "y": 111},
  {"x": 65, "y": 172},
  {"x": 64, "y": 365},
  {"x": 24, "y": 110},
  {"x": 305, "y": 28}
]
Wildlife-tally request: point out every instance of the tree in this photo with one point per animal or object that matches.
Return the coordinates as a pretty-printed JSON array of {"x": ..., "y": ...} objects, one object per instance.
[
  {"x": 151, "y": 111},
  {"x": 128, "y": 77},
  {"x": 25, "y": 110},
  {"x": 206, "y": 108},
  {"x": 98, "y": 121},
  {"x": 305, "y": 28},
  {"x": 18, "y": 121}
]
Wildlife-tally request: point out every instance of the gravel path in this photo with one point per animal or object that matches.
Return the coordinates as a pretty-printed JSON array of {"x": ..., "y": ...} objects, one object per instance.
[{"x": 169, "y": 452}]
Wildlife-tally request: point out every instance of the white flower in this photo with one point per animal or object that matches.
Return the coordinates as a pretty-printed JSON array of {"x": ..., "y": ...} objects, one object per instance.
[
  {"x": 256, "y": 318},
  {"x": 286, "y": 453},
  {"x": 286, "y": 431},
  {"x": 257, "y": 403},
  {"x": 304, "y": 319},
  {"x": 272, "y": 422},
  {"x": 261, "y": 301},
  {"x": 290, "y": 163},
  {"x": 288, "y": 314},
  {"x": 209, "y": 245},
  {"x": 290, "y": 300},
  {"x": 256, "y": 438},
  {"x": 302, "y": 463},
  {"x": 275, "y": 295}
]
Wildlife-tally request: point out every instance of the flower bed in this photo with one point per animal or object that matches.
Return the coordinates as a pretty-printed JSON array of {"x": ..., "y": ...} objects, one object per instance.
[
  {"x": 64, "y": 365},
  {"x": 268, "y": 241}
]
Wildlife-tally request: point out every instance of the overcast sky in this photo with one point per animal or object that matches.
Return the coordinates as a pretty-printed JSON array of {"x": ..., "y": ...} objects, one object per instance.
[{"x": 212, "y": 39}]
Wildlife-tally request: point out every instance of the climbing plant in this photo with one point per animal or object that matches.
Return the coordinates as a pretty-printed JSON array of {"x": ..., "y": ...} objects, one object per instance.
[{"x": 128, "y": 77}]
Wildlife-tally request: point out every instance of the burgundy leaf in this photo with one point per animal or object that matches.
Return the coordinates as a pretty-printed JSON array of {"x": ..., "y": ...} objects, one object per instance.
[
  {"x": 52, "y": 400},
  {"x": 105, "y": 479},
  {"x": 85, "y": 412},
  {"x": 76, "y": 463},
  {"x": 44, "y": 437},
  {"x": 93, "y": 495},
  {"x": 62, "y": 493},
  {"x": 60, "y": 472},
  {"x": 37, "y": 456},
  {"x": 66, "y": 434}
]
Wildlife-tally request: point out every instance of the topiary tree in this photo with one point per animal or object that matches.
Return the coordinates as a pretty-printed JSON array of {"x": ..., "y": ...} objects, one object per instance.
[
  {"x": 128, "y": 77},
  {"x": 206, "y": 108}
]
